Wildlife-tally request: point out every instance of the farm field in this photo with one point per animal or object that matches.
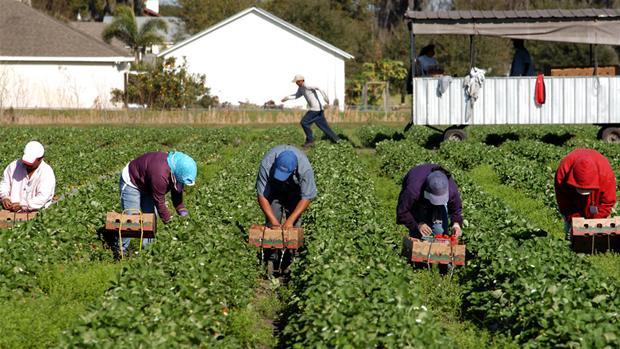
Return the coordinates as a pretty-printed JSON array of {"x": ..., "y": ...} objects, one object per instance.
[{"x": 199, "y": 284}]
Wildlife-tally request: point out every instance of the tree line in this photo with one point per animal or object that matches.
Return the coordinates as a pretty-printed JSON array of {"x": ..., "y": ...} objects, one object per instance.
[{"x": 372, "y": 30}]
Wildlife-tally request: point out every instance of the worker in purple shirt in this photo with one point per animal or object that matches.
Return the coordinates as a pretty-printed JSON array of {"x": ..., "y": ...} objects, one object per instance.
[
  {"x": 146, "y": 180},
  {"x": 429, "y": 200}
]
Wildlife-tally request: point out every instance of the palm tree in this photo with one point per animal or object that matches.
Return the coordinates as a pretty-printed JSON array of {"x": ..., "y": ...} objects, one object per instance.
[{"x": 125, "y": 28}]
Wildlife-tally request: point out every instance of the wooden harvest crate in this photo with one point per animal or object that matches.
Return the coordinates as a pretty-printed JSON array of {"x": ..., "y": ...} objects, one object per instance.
[
  {"x": 437, "y": 252},
  {"x": 130, "y": 224},
  {"x": 587, "y": 227},
  {"x": 262, "y": 236},
  {"x": 595, "y": 235},
  {"x": 585, "y": 71},
  {"x": 9, "y": 219}
]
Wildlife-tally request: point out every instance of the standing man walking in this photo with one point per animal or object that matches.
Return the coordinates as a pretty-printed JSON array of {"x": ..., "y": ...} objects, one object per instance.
[{"x": 316, "y": 112}]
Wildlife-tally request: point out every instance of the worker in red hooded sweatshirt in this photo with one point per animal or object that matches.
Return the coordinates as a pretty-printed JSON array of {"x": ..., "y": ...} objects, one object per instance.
[{"x": 585, "y": 186}]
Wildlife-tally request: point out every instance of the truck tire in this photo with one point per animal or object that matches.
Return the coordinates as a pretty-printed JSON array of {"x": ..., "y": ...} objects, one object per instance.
[
  {"x": 454, "y": 134},
  {"x": 611, "y": 134}
]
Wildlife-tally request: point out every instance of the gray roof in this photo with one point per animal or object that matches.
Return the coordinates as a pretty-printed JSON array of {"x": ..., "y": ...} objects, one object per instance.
[
  {"x": 26, "y": 32},
  {"x": 176, "y": 27},
  {"x": 513, "y": 16},
  {"x": 95, "y": 29}
]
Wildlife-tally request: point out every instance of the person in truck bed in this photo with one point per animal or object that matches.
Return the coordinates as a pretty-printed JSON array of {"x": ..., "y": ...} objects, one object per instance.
[{"x": 28, "y": 184}]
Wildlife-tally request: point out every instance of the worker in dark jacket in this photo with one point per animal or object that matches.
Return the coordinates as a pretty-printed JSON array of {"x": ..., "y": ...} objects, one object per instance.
[
  {"x": 585, "y": 186},
  {"x": 428, "y": 202},
  {"x": 146, "y": 180}
]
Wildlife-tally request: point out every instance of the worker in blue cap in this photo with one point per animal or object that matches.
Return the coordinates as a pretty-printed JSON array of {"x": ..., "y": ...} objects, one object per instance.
[
  {"x": 284, "y": 188},
  {"x": 285, "y": 185},
  {"x": 146, "y": 180}
]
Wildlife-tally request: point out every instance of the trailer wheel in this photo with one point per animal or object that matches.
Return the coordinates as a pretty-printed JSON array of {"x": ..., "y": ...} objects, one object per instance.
[
  {"x": 611, "y": 134},
  {"x": 454, "y": 134}
]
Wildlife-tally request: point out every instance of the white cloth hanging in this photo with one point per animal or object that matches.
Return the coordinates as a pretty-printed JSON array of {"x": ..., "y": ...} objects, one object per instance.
[{"x": 472, "y": 85}]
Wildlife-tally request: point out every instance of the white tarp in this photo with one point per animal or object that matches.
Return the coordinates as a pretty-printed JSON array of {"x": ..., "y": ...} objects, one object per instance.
[{"x": 606, "y": 32}]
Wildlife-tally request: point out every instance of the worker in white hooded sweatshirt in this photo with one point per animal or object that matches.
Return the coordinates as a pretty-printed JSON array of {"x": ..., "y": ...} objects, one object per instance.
[{"x": 28, "y": 184}]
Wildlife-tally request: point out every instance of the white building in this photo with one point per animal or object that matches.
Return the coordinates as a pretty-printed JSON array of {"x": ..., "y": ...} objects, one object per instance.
[
  {"x": 45, "y": 63},
  {"x": 253, "y": 56}
]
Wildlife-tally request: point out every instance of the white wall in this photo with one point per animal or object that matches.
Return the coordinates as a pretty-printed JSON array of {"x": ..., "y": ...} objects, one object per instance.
[
  {"x": 59, "y": 85},
  {"x": 254, "y": 60},
  {"x": 510, "y": 100},
  {"x": 152, "y": 5}
]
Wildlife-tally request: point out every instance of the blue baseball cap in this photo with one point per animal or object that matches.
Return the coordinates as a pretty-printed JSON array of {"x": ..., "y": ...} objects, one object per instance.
[
  {"x": 183, "y": 167},
  {"x": 286, "y": 163},
  {"x": 437, "y": 188}
]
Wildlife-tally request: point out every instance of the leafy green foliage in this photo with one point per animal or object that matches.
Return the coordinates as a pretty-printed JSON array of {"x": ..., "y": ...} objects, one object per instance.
[
  {"x": 384, "y": 71},
  {"x": 520, "y": 281},
  {"x": 125, "y": 28},
  {"x": 166, "y": 85},
  {"x": 370, "y": 135},
  {"x": 350, "y": 288}
]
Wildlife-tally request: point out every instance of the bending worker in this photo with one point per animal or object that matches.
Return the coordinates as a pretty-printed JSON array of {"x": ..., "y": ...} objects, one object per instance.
[
  {"x": 585, "y": 186},
  {"x": 145, "y": 181},
  {"x": 285, "y": 184},
  {"x": 28, "y": 184},
  {"x": 429, "y": 200}
]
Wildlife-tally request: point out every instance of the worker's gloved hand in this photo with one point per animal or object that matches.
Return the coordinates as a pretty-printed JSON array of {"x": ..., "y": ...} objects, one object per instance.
[
  {"x": 437, "y": 229},
  {"x": 183, "y": 212},
  {"x": 593, "y": 209}
]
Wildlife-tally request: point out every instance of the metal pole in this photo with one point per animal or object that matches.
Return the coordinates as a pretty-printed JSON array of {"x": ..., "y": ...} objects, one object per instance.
[
  {"x": 413, "y": 59},
  {"x": 595, "y": 61},
  {"x": 472, "y": 52}
]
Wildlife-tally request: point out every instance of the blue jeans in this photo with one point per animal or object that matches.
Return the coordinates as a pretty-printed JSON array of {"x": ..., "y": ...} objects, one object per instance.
[
  {"x": 132, "y": 200},
  {"x": 283, "y": 207},
  {"x": 317, "y": 117}
]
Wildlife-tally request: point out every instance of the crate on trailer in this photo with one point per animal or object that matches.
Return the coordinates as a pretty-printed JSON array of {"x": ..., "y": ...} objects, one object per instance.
[
  {"x": 276, "y": 238},
  {"x": 435, "y": 251},
  {"x": 595, "y": 235},
  {"x": 131, "y": 225},
  {"x": 585, "y": 71},
  {"x": 9, "y": 219}
]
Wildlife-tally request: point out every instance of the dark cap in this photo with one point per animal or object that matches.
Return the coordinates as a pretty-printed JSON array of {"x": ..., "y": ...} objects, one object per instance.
[{"x": 437, "y": 188}]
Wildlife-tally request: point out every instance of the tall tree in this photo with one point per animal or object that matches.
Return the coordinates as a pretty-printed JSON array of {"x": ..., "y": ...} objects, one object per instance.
[
  {"x": 344, "y": 24},
  {"x": 390, "y": 12},
  {"x": 200, "y": 14},
  {"x": 125, "y": 28}
]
